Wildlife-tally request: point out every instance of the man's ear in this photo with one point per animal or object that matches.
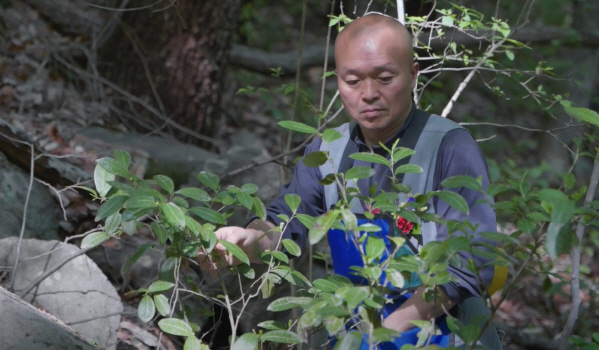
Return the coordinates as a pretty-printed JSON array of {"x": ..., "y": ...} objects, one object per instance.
[{"x": 415, "y": 70}]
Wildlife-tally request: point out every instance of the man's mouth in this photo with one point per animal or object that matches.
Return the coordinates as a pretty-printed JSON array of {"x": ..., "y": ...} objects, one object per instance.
[{"x": 372, "y": 112}]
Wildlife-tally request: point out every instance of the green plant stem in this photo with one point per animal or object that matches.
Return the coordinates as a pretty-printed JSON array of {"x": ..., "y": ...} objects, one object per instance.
[
  {"x": 297, "y": 75},
  {"x": 229, "y": 308},
  {"x": 575, "y": 257},
  {"x": 326, "y": 62}
]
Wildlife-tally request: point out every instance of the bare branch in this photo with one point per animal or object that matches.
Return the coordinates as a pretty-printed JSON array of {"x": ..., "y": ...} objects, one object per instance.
[{"x": 575, "y": 257}]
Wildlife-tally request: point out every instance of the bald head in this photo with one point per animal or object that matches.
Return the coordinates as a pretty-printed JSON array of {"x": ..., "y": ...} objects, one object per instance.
[{"x": 376, "y": 24}]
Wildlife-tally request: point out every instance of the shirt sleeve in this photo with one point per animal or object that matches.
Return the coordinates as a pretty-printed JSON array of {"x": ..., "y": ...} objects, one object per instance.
[
  {"x": 305, "y": 184},
  {"x": 459, "y": 154}
]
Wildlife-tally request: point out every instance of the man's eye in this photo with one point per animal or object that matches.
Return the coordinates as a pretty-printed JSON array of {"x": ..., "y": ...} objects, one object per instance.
[
  {"x": 385, "y": 80},
  {"x": 352, "y": 82}
]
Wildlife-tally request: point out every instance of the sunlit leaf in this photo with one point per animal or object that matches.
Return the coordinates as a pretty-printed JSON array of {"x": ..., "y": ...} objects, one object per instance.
[
  {"x": 146, "y": 309},
  {"x": 174, "y": 215},
  {"x": 209, "y": 180},
  {"x": 370, "y": 158},
  {"x": 463, "y": 181},
  {"x": 298, "y": 127},
  {"x": 408, "y": 169},
  {"x": 101, "y": 179},
  {"x": 162, "y": 304},
  {"x": 175, "y": 326},
  {"x": 248, "y": 341},
  {"x": 194, "y": 193},
  {"x": 160, "y": 286},
  {"x": 245, "y": 200},
  {"x": 291, "y": 247},
  {"x": 113, "y": 166},
  {"x": 330, "y": 135},
  {"x": 293, "y": 201},
  {"x": 454, "y": 200},
  {"x": 209, "y": 215},
  {"x": 585, "y": 115},
  {"x": 280, "y": 336},
  {"x": 236, "y": 251},
  {"x": 94, "y": 239},
  {"x": 359, "y": 172}
]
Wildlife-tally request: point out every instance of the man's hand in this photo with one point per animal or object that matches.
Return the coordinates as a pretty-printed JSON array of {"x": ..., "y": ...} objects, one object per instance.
[
  {"x": 252, "y": 240},
  {"x": 416, "y": 308}
]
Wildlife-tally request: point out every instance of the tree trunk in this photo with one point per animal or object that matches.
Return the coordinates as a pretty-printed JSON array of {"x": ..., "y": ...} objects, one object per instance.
[{"x": 175, "y": 58}]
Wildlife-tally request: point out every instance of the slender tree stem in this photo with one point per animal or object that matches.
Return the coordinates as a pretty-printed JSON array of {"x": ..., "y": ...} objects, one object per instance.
[{"x": 575, "y": 257}]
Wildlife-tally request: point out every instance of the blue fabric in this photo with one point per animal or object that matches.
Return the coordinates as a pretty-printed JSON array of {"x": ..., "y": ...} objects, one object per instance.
[
  {"x": 408, "y": 337},
  {"x": 346, "y": 254}
]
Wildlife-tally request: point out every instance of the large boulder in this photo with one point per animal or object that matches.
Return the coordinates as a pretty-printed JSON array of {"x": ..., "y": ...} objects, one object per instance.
[
  {"x": 14, "y": 184},
  {"x": 78, "y": 293},
  {"x": 26, "y": 328}
]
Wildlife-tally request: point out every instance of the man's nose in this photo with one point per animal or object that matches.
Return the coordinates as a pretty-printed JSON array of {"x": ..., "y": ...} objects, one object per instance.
[{"x": 370, "y": 90}]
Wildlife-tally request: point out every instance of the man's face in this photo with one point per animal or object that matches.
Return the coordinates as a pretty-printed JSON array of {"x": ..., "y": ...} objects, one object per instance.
[{"x": 376, "y": 75}]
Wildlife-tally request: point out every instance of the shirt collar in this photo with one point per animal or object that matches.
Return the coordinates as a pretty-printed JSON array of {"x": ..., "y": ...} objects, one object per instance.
[{"x": 358, "y": 138}]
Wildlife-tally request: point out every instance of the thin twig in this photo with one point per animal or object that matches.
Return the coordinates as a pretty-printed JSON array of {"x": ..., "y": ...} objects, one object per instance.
[
  {"x": 50, "y": 271},
  {"x": 575, "y": 257},
  {"x": 22, "y": 233},
  {"x": 139, "y": 101}
]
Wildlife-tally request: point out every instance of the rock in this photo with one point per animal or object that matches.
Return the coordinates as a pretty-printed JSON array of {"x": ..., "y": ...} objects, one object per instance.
[
  {"x": 78, "y": 293},
  {"x": 27, "y": 328},
  {"x": 41, "y": 222},
  {"x": 156, "y": 155}
]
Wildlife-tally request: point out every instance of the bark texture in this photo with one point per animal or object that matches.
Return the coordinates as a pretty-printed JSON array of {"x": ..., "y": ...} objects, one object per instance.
[{"x": 176, "y": 58}]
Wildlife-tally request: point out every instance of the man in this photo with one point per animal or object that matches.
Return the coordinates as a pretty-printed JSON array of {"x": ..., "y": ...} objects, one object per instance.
[{"x": 376, "y": 76}]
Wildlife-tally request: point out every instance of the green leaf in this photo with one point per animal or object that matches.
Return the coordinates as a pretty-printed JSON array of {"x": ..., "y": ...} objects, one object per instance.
[
  {"x": 585, "y": 115},
  {"x": 277, "y": 255},
  {"x": 359, "y": 172},
  {"x": 321, "y": 226},
  {"x": 146, "y": 309},
  {"x": 160, "y": 286},
  {"x": 193, "y": 343},
  {"x": 370, "y": 158},
  {"x": 195, "y": 193},
  {"x": 236, "y": 251},
  {"x": 351, "y": 340},
  {"x": 192, "y": 225},
  {"x": 271, "y": 325},
  {"x": 384, "y": 335},
  {"x": 375, "y": 247},
  {"x": 249, "y": 188},
  {"x": 133, "y": 259},
  {"x": 209, "y": 215},
  {"x": 468, "y": 182},
  {"x": 509, "y": 54},
  {"x": 408, "y": 169},
  {"x": 395, "y": 277},
  {"x": 293, "y": 201},
  {"x": 280, "y": 336},
  {"x": 112, "y": 223},
  {"x": 334, "y": 325},
  {"x": 447, "y": 21},
  {"x": 162, "y": 304},
  {"x": 315, "y": 159},
  {"x": 454, "y": 200},
  {"x": 559, "y": 239},
  {"x": 306, "y": 220},
  {"x": 401, "y": 153},
  {"x": 245, "y": 200},
  {"x": 160, "y": 232},
  {"x": 298, "y": 127},
  {"x": 174, "y": 215},
  {"x": 287, "y": 303},
  {"x": 165, "y": 182},
  {"x": 569, "y": 181},
  {"x": 94, "y": 239},
  {"x": 122, "y": 157},
  {"x": 175, "y": 326},
  {"x": 209, "y": 180},
  {"x": 292, "y": 247},
  {"x": 259, "y": 209},
  {"x": 111, "y": 206},
  {"x": 495, "y": 189},
  {"x": 113, "y": 166},
  {"x": 325, "y": 285},
  {"x": 330, "y": 135},
  {"x": 356, "y": 296},
  {"x": 141, "y": 201},
  {"x": 248, "y": 341},
  {"x": 129, "y": 227},
  {"x": 101, "y": 179}
]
